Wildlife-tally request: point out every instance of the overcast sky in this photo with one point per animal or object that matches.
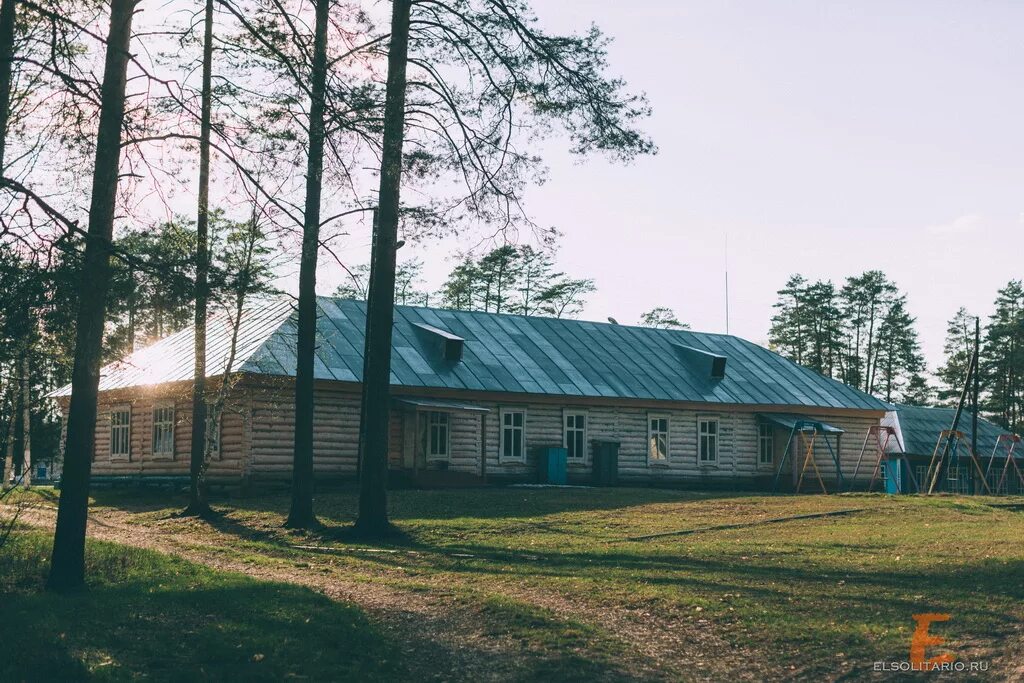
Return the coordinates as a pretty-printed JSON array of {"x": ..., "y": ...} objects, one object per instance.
[{"x": 824, "y": 138}]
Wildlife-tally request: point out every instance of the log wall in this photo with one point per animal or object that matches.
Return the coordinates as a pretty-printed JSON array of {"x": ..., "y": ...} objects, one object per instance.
[
  {"x": 141, "y": 461},
  {"x": 258, "y": 432}
]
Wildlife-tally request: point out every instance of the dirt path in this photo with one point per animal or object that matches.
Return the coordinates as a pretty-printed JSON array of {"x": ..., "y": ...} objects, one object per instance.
[{"x": 442, "y": 637}]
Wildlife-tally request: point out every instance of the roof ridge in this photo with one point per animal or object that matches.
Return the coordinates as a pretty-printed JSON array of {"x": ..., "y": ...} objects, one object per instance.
[{"x": 546, "y": 317}]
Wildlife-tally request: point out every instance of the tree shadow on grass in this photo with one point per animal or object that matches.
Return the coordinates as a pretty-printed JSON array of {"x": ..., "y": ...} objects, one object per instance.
[
  {"x": 147, "y": 615},
  {"x": 340, "y": 505},
  {"x": 150, "y": 615}
]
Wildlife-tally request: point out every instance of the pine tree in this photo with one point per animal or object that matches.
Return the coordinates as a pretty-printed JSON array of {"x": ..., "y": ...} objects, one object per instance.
[
  {"x": 408, "y": 283},
  {"x": 898, "y": 356},
  {"x": 565, "y": 297},
  {"x": 458, "y": 291},
  {"x": 958, "y": 347},
  {"x": 67, "y": 564},
  {"x": 865, "y": 300},
  {"x": 1003, "y": 358},
  {"x": 786, "y": 335},
  {"x": 662, "y": 317},
  {"x": 536, "y": 273},
  {"x": 498, "y": 274},
  {"x": 823, "y": 322}
]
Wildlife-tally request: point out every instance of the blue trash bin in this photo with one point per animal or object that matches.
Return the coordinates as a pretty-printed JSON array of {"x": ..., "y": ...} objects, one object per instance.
[{"x": 552, "y": 465}]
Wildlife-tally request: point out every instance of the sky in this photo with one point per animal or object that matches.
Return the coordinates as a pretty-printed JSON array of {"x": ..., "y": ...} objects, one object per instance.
[{"x": 818, "y": 137}]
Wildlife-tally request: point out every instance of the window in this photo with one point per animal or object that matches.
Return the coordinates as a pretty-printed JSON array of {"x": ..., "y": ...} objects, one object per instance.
[
  {"x": 513, "y": 441},
  {"x": 437, "y": 436},
  {"x": 120, "y": 433},
  {"x": 575, "y": 438},
  {"x": 707, "y": 432},
  {"x": 765, "y": 444},
  {"x": 657, "y": 439},
  {"x": 163, "y": 431},
  {"x": 921, "y": 472},
  {"x": 882, "y": 472},
  {"x": 994, "y": 475}
]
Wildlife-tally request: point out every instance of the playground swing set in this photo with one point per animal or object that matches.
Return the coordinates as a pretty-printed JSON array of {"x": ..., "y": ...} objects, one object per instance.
[
  {"x": 808, "y": 435},
  {"x": 1005, "y": 446},
  {"x": 954, "y": 464}
]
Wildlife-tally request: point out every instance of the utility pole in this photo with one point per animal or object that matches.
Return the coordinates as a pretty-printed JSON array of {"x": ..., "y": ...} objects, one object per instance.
[{"x": 975, "y": 388}]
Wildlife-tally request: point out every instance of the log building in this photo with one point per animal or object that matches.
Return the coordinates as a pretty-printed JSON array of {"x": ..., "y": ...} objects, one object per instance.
[{"x": 475, "y": 395}]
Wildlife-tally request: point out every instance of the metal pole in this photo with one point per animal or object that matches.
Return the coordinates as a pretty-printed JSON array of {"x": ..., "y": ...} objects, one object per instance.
[
  {"x": 975, "y": 390},
  {"x": 939, "y": 465}
]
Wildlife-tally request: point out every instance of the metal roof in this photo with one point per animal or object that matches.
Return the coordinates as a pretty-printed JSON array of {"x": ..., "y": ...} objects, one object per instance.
[
  {"x": 503, "y": 353},
  {"x": 801, "y": 422},
  {"x": 919, "y": 428},
  {"x": 437, "y": 404}
]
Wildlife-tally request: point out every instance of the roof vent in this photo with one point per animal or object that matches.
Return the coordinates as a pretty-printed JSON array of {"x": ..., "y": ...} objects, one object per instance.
[
  {"x": 708, "y": 364},
  {"x": 449, "y": 345}
]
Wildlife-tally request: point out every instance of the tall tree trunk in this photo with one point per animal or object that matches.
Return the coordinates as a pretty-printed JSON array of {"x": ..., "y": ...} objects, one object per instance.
[
  {"x": 26, "y": 422},
  {"x": 67, "y": 568},
  {"x": 18, "y": 434},
  {"x": 301, "y": 513},
  {"x": 8, "y": 18},
  {"x": 869, "y": 373},
  {"x": 198, "y": 503},
  {"x": 373, "y": 509},
  {"x": 9, "y": 450},
  {"x": 131, "y": 310}
]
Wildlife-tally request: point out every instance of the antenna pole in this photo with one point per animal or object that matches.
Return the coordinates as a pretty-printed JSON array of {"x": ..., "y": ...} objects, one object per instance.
[
  {"x": 727, "y": 283},
  {"x": 976, "y": 387}
]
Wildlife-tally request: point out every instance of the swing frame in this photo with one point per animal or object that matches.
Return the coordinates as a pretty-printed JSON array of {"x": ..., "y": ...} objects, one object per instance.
[
  {"x": 881, "y": 453},
  {"x": 1009, "y": 443},
  {"x": 808, "y": 431},
  {"x": 950, "y": 439}
]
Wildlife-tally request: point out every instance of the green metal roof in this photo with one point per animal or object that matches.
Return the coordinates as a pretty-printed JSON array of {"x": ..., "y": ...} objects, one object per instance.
[
  {"x": 505, "y": 353},
  {"x": 919, "y": 428},
  {"x": 791, "y": 422}
]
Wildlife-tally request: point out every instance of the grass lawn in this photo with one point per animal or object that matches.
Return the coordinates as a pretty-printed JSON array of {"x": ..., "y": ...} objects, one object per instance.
[
  {"x": 545, "y": 583},
  {"x": 149, "y": 615}
]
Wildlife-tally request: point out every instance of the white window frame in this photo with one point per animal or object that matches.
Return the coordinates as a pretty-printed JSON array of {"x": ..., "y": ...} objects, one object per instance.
[
  {"x": 566, "y": 430},
  {"x": 764, "y": 440},
  {"x": 114, "y": 428},
  {"x": 166, "y": 455},
  {"x": 521, "y": 457},
  {"x": 668, "y": 438},
  {"x": 921, "y": 472},
  {"x": 703, "y": 420},
  {"x": 439, "y": 457}
]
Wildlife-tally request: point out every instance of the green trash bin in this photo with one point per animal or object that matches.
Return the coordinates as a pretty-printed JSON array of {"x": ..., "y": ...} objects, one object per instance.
[{"x": 606, "y": 463}]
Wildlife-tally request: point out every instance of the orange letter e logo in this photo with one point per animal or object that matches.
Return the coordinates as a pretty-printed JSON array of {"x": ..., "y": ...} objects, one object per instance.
[{"x": 921, "y": 640}]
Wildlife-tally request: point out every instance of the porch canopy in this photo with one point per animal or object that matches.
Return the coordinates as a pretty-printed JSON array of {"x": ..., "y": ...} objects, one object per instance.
[
  {"x": 794, "y": 422},
  {"x": 438, "y": 404}
]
